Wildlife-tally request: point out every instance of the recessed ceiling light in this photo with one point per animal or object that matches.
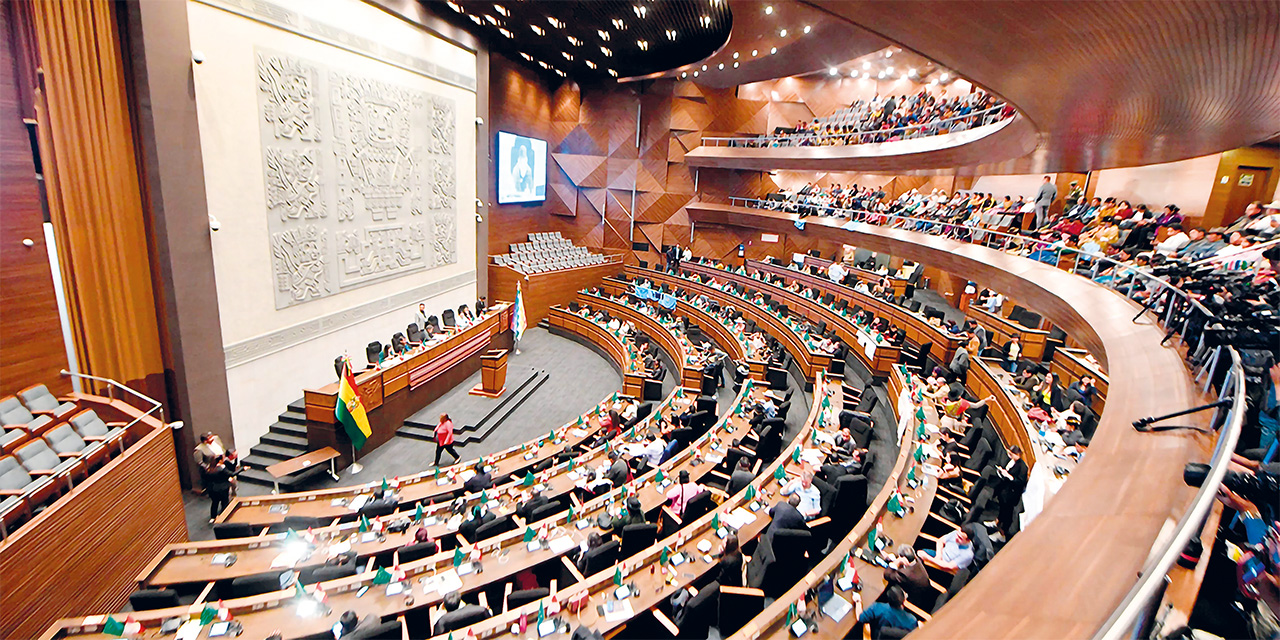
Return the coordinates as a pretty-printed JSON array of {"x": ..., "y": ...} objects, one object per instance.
[
  {"x": 833, "y": 71},
  {"x": 684, "y": 74},
  {"x": 566, "y": 55},
  {"x": 574, "y": 41},
  {"x": 606, "y": 52},
  {"x": 555, "y": 23},
  {"x": 773, "y": 50},
  {"x": 643, "y": 44},
  {"x": 704, "y": 67},
  {"x": 735, "y": 65},
  {"x": 945, "y": 77},
  {"x": 504, "y": 32},
  {"x": 590, "y": 64},
  {"x": 783, "y": 33},
  {"x": 641, "y": 11},
  {"x": 671, "y": 34},
  {"x": 491, "y": 19},
  {"x": 866, "y": 65},
  {"x": 455, "y": 6},
  {"x": 807, "y": 28},
  {"x": 618, "y": 24},
  {"x": 853, "y": 74},
  {"x": 526, "y": 56},
  {"x": 735, "y": 55},
  {"x": 722, "y": 65},
  {"x": 754, "y": 53},
  {"x": 604, "y": 35},
  {"x": 476, "y": 19},
  {"x": 501, "y": 9},
  {"x": 560, "y": 73},
  {"x": 768, "y": 11},
  {"x": 889, "y": 54},
  {"x": 538, "y": 30},
  {"x": 889, "y": 70},
  {"x": 695, "y": 74},
  {"x": 613, "y": 73}
]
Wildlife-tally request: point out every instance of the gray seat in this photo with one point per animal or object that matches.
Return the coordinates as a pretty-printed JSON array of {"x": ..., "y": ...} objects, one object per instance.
[
  {"x": 38, "y": 398},
  {"x": 10, "y": 437},
  {"x": 91, "y": 427},
  {"x": 12, "y": 412},
  {"x": 13, "y": 477},
  {"x": 64, "y": 439},
  {"x": 37, "y": 456}
]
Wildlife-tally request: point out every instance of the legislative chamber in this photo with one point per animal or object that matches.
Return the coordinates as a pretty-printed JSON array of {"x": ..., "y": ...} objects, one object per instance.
[{"x": 710, "y": 319}]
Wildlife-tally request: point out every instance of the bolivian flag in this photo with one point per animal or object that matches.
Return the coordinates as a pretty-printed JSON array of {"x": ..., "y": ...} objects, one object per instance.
[{"x": 350, "y": 410}]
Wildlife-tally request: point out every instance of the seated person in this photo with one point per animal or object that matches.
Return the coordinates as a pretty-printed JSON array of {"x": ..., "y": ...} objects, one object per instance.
[
  {"x": 953, "y": 552},
  {"x": 678, "y": 497},
  {"x": 650, "y": 450},
  {"x": 888, "y": 612},
  {"x": 905, "y": 570},
  {"x": 479, "y": 482},
  {"x": 455, "y": 613},
  {"x": 594, "y": 540},
  {"x": 740, "y": 477},
  {"x": 632, "y": 513},
  {"x": 478, "y": 517},
  {"x": 537, "y": 500},
  {"x": 381, "y": 499},
  {"x": 728, "y": 571},
  {"x": 810, "y": 498},
  {"x": 786, "y": 515},
  {"x": 619, "y": 473},
  {"x": 421, "y": 536}
]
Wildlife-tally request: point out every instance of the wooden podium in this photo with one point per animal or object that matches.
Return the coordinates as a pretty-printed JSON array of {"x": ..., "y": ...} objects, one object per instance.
[{"x": 493, "y": 374}]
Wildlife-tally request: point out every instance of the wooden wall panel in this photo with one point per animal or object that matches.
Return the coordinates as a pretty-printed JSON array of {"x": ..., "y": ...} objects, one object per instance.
[
  {"x": 543, "y": 290},
  {"x": 85, "y": 552},
  {"x": 32, "y": 348},
  {"x": 1262, "y": 155}
]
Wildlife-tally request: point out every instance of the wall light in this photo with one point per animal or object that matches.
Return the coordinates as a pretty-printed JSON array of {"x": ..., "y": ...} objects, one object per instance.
[
  {"x": 807, "y": 28},
  {"x": 768, "y": 11}
]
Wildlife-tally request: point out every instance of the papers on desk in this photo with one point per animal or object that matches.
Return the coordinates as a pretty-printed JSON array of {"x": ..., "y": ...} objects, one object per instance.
[
  {"x": 561, "y": 544},
  {"x": 190, "y": 630},
  {"x": 715, "y": 459},
  {"x": 395, "y": 589},
  {"x": 286, "y": 560},
  {"x": 614, "y": 611},
  {"x": 466, "y": 475},
  {"x": 218, "y": 629},
  {"x": 579, "y": 433},
  {"x": 546, "y": 628},
  {"x": 931, "y": 470},
  {"x": 704, "y": 546},
  {"x": 341, "y": 547},
  {"x": 338, "y": 502},
  {"x": 368, "y": 536},
  {"x": 836, "y": 607},
  {"x": 738, "y": 518},
  {"x": 813, "y": 457},
  {"x": 441, "y": 583},
  {"x": 359, "y": 501}
]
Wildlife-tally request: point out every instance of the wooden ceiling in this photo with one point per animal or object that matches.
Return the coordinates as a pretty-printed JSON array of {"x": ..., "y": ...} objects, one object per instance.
[{"x": 1105, "y": 84}]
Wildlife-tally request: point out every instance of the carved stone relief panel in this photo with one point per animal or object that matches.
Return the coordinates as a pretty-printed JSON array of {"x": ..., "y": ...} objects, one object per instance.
[{"x": 378, "y": 155}]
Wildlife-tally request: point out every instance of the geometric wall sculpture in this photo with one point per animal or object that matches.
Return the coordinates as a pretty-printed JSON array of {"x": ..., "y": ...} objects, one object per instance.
[{"x": 360, "y": 178}]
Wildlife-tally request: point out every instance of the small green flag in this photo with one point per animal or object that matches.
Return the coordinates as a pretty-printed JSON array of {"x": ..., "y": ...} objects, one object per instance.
[
  {"x": 457, "y": 556},
  {"x": 364, "y": 523},
  {"x": 617, "y": 576},
  {"x": 659, "y": 478},
  {"x": 664, "y": 557},
  {"x": 385, "y": 486},
  {"x": 779, "y": 473},
  {"x": 895, "y": 505},
  {"x": 715, "y": 521},
  {"x": 116, "y": 628},
  {"x": 795, "y": 454},
  {"x": 751, "y": 492},
  {"x": 484, "y": 496},
  {"x": 791, "y": 614},
  {"x": 528, "y": 479},
  {"x": 290, "y": 536},
  {"x": 624, "y": 492},
  {"x": 919, "y": 454},
  {"x": 911, "y": 474},
  {"x": 382, "y": 576},
  {"x": 418, "y": 513},
  {"x": 920, "y": 414},
  {"x": 572, "y": 517},
  {"x": 813, "y": 434},
  {"x": 298, "y": 591},
  {"x": 921, "y": 432},
  {"x": 528, "y": 534},
  {"x": 542, "y": 612},
  {"x": 437, "y": 476}
]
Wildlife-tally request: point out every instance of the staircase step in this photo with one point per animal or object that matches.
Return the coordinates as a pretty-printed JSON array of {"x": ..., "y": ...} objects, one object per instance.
[
  {"x": 257, "y": 462},
  {"x": 289, "y": 429},
  {"x": 257, "y": 476},
  {"x": 299, "y": 405},
  {"x": 285, "y": 440},
  {"x": 272, "y": 451},
  {"x": 417, "y": 433},
  {"x": 295, "y": 417}
]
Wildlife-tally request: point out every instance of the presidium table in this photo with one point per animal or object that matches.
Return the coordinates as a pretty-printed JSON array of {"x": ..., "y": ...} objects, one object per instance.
[{"x": 403, "y": 386}]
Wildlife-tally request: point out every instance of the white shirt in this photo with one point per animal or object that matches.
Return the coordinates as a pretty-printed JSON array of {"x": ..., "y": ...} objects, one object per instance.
[
  {"x": 1174, "y": 242},
  {"x": 837, "y": 272}
]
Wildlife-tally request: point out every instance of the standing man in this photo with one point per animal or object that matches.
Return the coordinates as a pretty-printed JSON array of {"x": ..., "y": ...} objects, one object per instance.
[
  {"x": 420, "y": 317},
  {"x": 1013, "y": 481},
  {"x": 1044, "y": 198}
]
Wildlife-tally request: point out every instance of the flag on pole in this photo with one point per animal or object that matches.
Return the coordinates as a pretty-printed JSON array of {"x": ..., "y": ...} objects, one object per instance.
[
  {"x": 349, "y": 409},
  {"x": 895, "y": 505},
  {"x": 518, "y": 321},
  {"x": 113, "y": 627}
]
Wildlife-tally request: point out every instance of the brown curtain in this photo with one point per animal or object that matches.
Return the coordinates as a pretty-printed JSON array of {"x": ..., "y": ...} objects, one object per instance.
[{"x": 95, "y": 198}]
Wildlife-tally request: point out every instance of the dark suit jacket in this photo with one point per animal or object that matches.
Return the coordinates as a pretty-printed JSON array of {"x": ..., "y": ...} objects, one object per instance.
[
  {"x": 786, "y": 516},
  {"x": 739, "y": 480},
  {"x": 449, "y": 621},
  {"x": 468, "y": 527},
  {"x": 527, "y": 508},
  {"x": 478, "y": 482},
  {"x": 618, "y": 473},
  {"x": 1014, "y": 488}
]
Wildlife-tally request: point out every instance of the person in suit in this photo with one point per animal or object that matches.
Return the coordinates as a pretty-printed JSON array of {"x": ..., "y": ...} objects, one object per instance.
[
  {"x": 420, "y": 317},
  {"x": 1044, "y": 199},
  {"x": 218, "y": 477},
  {"x": 455, "y": 613},
  {"x": 479, "y": 482},
  {"x": 741, "y": 477},
  {"x": 594, "y": 541},
  {"x": 535, "y": 502},
  {"x": 618, "y": 472},
  {"x": 206, "y": 453},
  {"x": 481, "y": 305},
  {"x": 632, "y": 514},
  {"x": 728, "y": 570},
  {"x": 478, "y": 518},
  {"x": 381, "y": 499},
  {"x": 786, "y": 515},
  {"x": 959, "y": 366},
  {"x": 1013, "y": 481}
]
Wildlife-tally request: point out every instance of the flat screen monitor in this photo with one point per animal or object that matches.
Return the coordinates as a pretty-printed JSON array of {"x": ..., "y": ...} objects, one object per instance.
[{"x": 522, "y": 169}]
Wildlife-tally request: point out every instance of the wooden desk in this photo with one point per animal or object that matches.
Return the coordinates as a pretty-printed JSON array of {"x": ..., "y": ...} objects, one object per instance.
[
  {"x": 633, "y": 374},
  {"x": 400, "y": 389},
  {"x": 1069, "y": 365},
  {"x": 293, "y": 465},
  {"x": 918, "y": 329},
  {"x": 808, "y": 360},
  {"x": 690, "y": 375},
  {"x": 878, "y": 360},
  {"x": 897, "y": 285},
  {"x": 502, "y": 558}
]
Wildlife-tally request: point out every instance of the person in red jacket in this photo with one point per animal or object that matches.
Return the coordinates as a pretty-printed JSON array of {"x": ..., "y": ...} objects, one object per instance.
[{"x": 444, "y": 438}]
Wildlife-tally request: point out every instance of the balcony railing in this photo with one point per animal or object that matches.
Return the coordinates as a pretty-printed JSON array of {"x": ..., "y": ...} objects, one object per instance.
[{"x": 991, "y": 115}]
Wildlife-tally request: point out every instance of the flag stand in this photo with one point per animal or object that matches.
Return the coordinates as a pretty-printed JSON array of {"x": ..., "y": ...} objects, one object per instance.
[{"x": 355, "y": 467}]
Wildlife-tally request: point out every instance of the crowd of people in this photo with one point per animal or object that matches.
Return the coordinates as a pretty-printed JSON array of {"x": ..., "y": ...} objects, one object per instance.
[{"x": 890, "y": 118}]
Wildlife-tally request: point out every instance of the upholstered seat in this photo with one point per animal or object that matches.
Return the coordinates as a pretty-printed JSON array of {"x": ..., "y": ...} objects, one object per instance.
[{"x": 38, "y": 399}]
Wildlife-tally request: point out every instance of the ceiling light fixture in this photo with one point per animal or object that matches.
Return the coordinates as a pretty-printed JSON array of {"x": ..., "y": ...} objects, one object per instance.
[
  {"x": 704, "y": 67},
  {"x": 853, "y": 74},
  {"x": 755, "y": 52},
  {"x": 833, "y": 71},
  {"x": 500, "y": 9},
  {"x": 912, "y": 73},
  {"x": 566, "y": 56},
  {"x": 945, "y": 77},
  {"x": 768, "y": 11},
  {"x": 606, "y": 52},
  {"x": 504, "y": 32},
  {"x": 706, "y": 21},
  {"x": 618, "y": 24},
  {"x": 526, "y": 56},
  {"x": 889, "y": 70},
  {"x": 538, "y": 30},
  {"x": 590, "y": 64},
  {"x": 476, "y": 19},
  {"x": 574, "y": 41},
  {"x": 555, "y": 23},
  {"x": 613, "y": 73},
  {"x": 604, "y": 35},
  {"x": 684, "y": 75},
  {"x": 643, "y": 44},
  {"x": 783, "y": 33},
  {"x": 695, "y": 74},
  {"x": 722, "y": 66},
  {"x": 866, "y": 66},
  {"x": 493, "y": 21},
  {"x": 889, "y": 54},
  {"x": 773, "y": 50},
  {"x": 671, "y": 34},
  {"x": 560, "y": 73},
  {"x": 807, "y": 28},
  {"x": 640, "y": 11},
  {"x": 455, "y": 6},
  {"x": 735, "y": 65},
  {"x": 735, "y": 55}
]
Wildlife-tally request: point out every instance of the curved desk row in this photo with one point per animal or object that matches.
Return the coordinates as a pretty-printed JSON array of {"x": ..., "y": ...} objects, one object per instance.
[
  {"x": 808, "y": 359},
  {"x": 1002, "y": 329},
  {"x": 633, "y": 373},
  {"x": 690, "y": 375},
  {"x": 878, "y": 356},
  {"x": 1121, "y": 495},
  {"x": 469, "y": 568},
  {"x": 917, "y": 327}
]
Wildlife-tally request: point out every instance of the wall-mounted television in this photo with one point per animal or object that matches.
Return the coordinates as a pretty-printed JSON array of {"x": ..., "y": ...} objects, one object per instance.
[{"x": 522, "y": 169}]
